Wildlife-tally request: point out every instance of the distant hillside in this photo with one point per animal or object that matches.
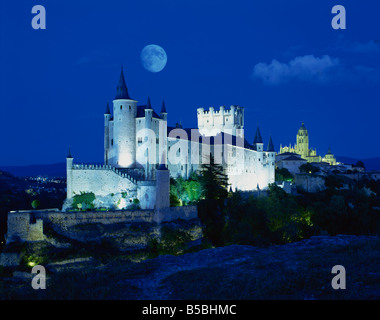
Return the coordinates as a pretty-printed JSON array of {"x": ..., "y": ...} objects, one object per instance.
[
  {"x": 48, "y": 170},
  {"x": 370, "y": 164},
  {"x": 59, "y": 169}
]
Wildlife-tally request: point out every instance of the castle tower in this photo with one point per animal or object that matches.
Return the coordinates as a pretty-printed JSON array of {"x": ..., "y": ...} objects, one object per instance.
[
  {"x": 271, "y": 160},
  {"x": 107, "y": 118},
  {"x": 163, "y": 113},
  {"x": 302, "y": 146},
  {"x": 124, "y": 128},
  {"x": 258, "y": 141},
  {"x": 212, "y": 122},
  {"x": 69, "y": 175},
  {"x": 150, "y": 151},
  {"x": 163, "y": 133},
  {"x": 162, "y": 187}
]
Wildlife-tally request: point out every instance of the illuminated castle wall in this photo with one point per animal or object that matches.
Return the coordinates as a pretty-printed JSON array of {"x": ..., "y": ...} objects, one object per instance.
[{"x": 141, "y": 152}]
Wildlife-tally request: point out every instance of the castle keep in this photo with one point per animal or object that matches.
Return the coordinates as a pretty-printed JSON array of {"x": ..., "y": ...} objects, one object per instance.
[{"x": 141, "y": 153}]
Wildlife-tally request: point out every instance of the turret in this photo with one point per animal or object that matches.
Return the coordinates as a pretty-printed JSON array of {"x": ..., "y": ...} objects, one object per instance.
[
  {"x": 162, "y": 186},
  {"x": 163, "y": 113},
  {"x": 107, "y": 118},
  {"x": 124, "y": 128},
  {"x": 258, "y": 141},
  {"x": 163, "y": 147},
  {"x": 148, "y": 115},
  {"x": 69, "y": 174},
  {"x": 270, "y": 147}
]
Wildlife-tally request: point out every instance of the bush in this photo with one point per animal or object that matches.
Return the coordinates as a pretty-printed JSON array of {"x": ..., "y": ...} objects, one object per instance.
[
  {"x": 84, "y": 201},
  {"x": 172, "y": 241}
]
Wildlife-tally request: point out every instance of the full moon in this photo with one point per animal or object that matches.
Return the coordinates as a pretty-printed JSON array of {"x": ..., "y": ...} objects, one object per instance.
[{"x": 153, "y": 58}]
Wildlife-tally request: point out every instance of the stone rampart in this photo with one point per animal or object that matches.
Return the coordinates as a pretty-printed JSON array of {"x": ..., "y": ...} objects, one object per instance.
[{"x": 28, "y": 225}]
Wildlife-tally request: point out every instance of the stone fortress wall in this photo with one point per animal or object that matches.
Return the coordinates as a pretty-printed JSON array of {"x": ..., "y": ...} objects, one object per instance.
[
  {"x": 28, "y": 225},
  {"x": 104, "y": 180}
]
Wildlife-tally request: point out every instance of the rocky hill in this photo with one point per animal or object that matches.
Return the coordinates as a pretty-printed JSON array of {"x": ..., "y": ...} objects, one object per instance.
[{"x": 300, "y": 270}]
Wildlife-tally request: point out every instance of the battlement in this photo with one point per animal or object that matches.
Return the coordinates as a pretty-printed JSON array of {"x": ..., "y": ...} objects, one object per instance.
[
  {"x": 211, "y": 122},
  {"x": 222, "y": 110}
]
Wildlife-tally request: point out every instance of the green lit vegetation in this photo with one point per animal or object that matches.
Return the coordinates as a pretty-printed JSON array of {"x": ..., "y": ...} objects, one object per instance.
[
  {"x": 211, "y": 182},
  {"x": 84, "y": 201},
  {"x": 283, "y": 175},
  {"x": 35, "y": 204},
  {"x": 172, "y": 241},
  {"x": 185, "y": 192},
  {"x": 282, "y": 218}
]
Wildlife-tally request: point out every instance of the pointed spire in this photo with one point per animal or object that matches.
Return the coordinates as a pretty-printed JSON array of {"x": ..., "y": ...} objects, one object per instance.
[
  {"x": 69, "y": 155},
  {"x": 108, "y": 109},
  {"x": 258, "y": 138},
  {"x": 163, "y": 108},
  {"x": 270, "y": 145},
  {"x": 329, "y": 151},
  {"x": 148, "y": 104},
  {"x": 122, "y": 90}
]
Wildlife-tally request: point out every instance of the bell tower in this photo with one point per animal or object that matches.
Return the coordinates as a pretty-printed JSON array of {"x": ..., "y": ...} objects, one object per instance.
[{"x": 302, "y": 146}]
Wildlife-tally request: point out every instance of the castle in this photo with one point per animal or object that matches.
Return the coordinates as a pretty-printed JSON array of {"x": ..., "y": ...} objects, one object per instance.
[
  {"x": 302, "y": 148},
  {"x": 141, "y": 153}
]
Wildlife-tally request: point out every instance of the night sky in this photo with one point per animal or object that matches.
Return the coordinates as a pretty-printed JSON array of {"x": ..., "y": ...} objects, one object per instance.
[{"x": 281, "y": 60}]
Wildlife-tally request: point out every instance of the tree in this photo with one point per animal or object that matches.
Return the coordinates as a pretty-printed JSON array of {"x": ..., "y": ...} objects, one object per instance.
[
  {"x": 283, "y": 175},
  {"x": 185, "y": 192},
  {"x": 360, "y": 164},
  {"x": 214, "y": 180},
  {"x": 35, "y": 204}
]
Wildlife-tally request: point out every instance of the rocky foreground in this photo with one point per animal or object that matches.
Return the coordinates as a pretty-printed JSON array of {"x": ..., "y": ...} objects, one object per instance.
[{"x": 299, "y": 270}]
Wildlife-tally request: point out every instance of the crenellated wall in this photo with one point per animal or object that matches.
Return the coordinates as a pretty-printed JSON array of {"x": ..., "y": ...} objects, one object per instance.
[
  {"x": 99, "y": 179},
  {"x": 211, "y": 122}
]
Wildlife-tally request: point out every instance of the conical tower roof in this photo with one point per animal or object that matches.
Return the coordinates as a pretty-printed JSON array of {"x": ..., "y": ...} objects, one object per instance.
[
  {"x": 107, "y": 109},
  {"x": 148, "y": 104},
  {"x": 69, "y": 154},
  {"x": 163, "y": 108},
  {"x": 258, "y": 138},
  {"x": 122, "y": 90},
  {"x": 270, "y": 145}
]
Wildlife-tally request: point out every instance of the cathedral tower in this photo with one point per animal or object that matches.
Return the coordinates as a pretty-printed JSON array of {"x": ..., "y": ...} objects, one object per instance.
[{"x": 302, "y": 146}]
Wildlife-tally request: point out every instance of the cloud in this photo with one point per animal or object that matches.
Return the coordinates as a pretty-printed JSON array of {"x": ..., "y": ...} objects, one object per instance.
[
  {"x": 305, "y": 69},
  {"x": 310, "y": 69}
]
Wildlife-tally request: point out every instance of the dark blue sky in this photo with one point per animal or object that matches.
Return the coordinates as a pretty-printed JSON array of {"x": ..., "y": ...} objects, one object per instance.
[{"x": 281, "y": 60}]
